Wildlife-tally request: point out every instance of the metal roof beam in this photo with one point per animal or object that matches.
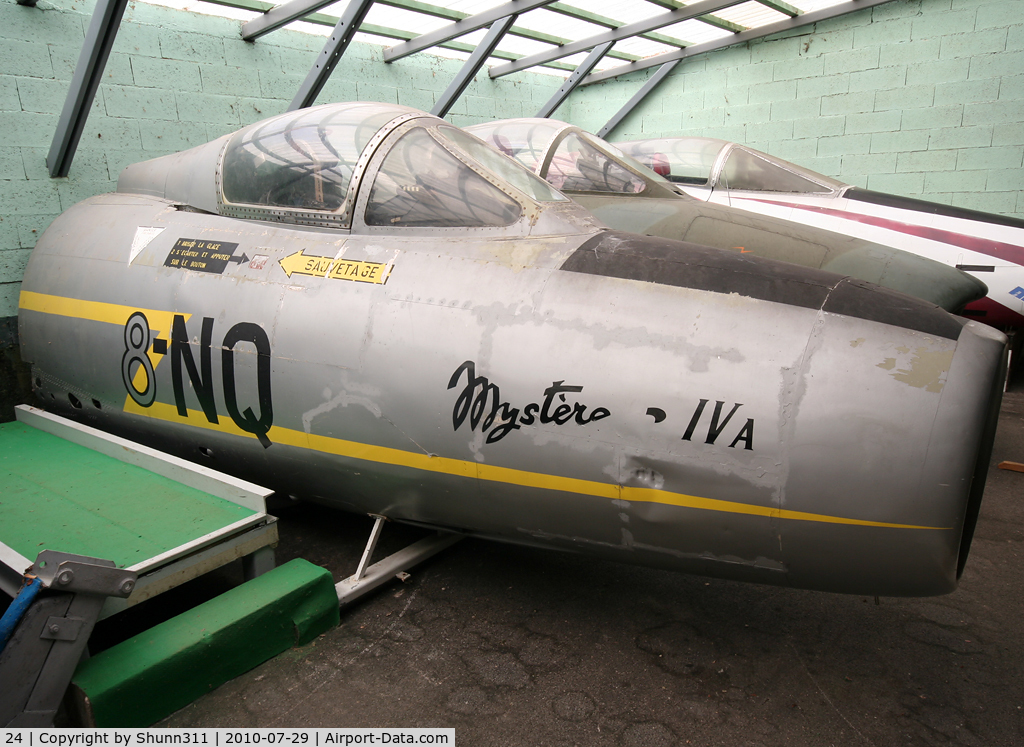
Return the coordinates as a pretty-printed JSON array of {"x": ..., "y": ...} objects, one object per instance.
[
  {"x": 279, "y": 16},
  {"x": 321, "y": 19},
  {"x": 781, "y": 7},
  {"x": 328, "y": 58},
  {"x": 472, "y": 66},
  {"x": 99, "y": 40},
  {"x": 851, "y": 6},
  {"x": 426, "y": 9},
  {"x": 711, "y": 20},
  {"x": 623, "y": 32},
  {"x": 610, "y": 23},
  {"x": 453, "y": 30},
  {"x": 639, "y": 96},
  {"x": 455, "y": 15},
  {"x": 573, "y": 80}
]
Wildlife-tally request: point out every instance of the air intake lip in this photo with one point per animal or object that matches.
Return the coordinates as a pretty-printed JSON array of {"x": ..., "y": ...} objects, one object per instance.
[
  {"x": 685, "y": 265},
  {"x": 981, "y": 466}
]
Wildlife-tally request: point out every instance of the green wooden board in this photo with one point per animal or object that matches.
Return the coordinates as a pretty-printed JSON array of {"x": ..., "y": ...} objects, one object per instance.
[{"x": 56, "y": 495}]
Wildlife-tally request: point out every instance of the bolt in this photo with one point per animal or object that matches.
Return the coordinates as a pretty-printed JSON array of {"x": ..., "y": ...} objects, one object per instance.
[
  {"x": 65, "y": 577},
  {"x": 127, "y": 586},
  {"x": 55, "y": 628}
]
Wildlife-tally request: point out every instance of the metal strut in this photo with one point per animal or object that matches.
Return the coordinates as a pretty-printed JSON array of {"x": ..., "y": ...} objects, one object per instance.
[{"x": 369, "y": 577}]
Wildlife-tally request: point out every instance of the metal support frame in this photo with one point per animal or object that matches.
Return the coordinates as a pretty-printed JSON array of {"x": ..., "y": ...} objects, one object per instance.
[
  {"x": 50, "y": 640},
  {"x": 476, "y": 61},
  {"x": 852, "y": 6},
  {"x": 452, "y": 30},
  {"x": 781, "y": 7},
  {"x": 99, "y": 40},
  {"x": 369, "y": 577},
  {"x": 610, "y": 23},
  {"x": 639, "y": 96},
  {"x": 331, "y": 54},
  {"x": 623, "y": 32},
  {"x": 573, "y": 80},
  {"x": 280, "y": 15}
]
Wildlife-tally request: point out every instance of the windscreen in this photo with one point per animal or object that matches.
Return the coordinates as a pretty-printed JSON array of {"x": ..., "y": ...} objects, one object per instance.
[
  {"x": 514, "y": 174},
  {"x": 625, "y": 158},
  {"x": 526, "y": 141},
  {"x": 680, "y": 160},
  {"x": 420, "y": 184},
  {"x": 578, "y": 166},
  {"x": 748, "y": 171},
  {"x": 301, "y": 160}
]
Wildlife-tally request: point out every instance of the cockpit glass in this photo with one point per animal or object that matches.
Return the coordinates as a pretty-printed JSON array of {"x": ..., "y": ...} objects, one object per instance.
[
  {"x": 680, "y": 160},
  {"x": 514, "y": 174},
  {"x": 525, "y": 141},
  {"x": 420, "y": 184},
  {"x": 625, "y": 158},
  {"x": 748, "y": 171},
  {"x": 578, "y": 166},
  {"x": 302, "y": 160}
]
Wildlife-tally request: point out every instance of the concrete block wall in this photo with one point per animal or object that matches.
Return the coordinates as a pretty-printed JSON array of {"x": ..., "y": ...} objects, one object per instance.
[
  {"x": 923, "y": 98},
  {"x": 174, "y": 80}
]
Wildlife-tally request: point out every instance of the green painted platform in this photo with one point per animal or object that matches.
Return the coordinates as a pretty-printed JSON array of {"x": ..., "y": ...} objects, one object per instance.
[{"x": 58, "y": 495}]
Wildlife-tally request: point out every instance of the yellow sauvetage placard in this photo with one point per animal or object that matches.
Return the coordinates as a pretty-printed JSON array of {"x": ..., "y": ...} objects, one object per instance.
[{"x": 335, "y": 269}]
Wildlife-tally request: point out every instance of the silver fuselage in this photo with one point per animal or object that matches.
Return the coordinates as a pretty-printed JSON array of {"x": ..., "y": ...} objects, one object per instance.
[{"x": 563, "y": 385}]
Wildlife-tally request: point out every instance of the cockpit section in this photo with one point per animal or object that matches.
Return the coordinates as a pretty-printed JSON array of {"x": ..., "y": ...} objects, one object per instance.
[
  {"x": 570, "y": 159},
  {"x": 709, "y": 162},
  {"x": 422, "y": 184},
  {"x": 301, "y": 160},
  {"x": 362, "y": 167}
]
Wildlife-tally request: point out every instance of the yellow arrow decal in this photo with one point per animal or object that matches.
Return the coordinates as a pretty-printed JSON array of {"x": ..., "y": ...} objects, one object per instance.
[{"x": 335, "y": 269}]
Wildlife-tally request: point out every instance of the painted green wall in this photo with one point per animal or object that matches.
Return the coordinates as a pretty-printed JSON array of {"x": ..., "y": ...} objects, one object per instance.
[
  {"x": 915, "y": 97},
  {"x": 174, "y": 80}
]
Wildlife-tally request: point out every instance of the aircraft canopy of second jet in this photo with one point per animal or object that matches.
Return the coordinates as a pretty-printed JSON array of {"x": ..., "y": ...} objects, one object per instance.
[
  {"x": 628, "y": 196},
  {"x": 985, "y": 245}
]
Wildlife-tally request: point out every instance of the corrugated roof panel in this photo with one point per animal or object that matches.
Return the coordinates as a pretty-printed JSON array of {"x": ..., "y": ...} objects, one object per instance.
[
  {"x": 311, "y": 28},
  {"x": 642, "y": 47},
  {"x": 808, "y": 5},
  {"x": 396, "y": 18},
  {"x": 624, "y": 11},
  {"x": 695, "y": 32},
  {"x": 556, "y": 24},
  {"x": 751, "y": 15},
  {"x": 471, "y": 6},
  {"x": 209, "y": 9},
  {"x": 520, "y": 45}
]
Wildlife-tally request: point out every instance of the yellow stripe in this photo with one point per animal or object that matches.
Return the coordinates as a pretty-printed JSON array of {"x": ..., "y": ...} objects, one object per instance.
[
  {"x": 491, "y": 473},
  {"x": 100, "y": 311},
  {"x": 96, "y": 311},
  {"x": 116, "y": 314}
]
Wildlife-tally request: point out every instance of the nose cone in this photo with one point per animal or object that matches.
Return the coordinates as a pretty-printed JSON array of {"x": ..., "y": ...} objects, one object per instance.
[
  {"x": 942, "y": 285},
  {"x": 897, "y": 430}
]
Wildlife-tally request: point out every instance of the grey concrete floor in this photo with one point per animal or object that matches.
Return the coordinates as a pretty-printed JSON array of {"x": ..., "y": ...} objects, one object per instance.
[{"x": 513, "y": 646}]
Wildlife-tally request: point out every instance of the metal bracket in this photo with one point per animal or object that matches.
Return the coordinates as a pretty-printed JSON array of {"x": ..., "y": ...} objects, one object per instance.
[
  {"x": 62, "y": 628},
  {"x": 62, "y": 571},
  {"x": 369, "y": 577},
  {"x": 371, "y": 545}
]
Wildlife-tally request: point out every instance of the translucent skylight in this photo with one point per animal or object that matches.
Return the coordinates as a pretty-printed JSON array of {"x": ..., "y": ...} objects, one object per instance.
[{"x": 538, "y": 30}]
